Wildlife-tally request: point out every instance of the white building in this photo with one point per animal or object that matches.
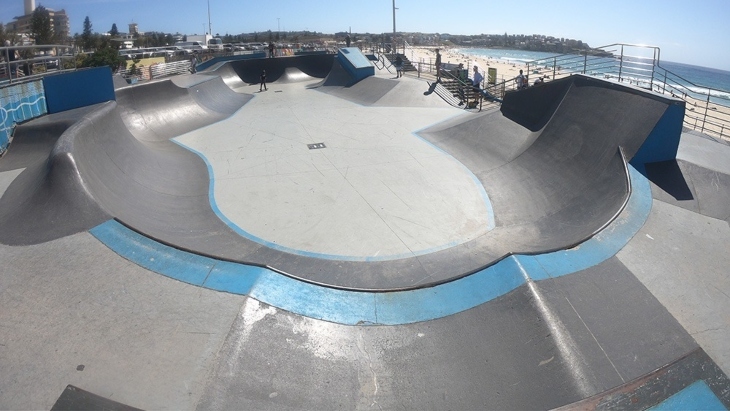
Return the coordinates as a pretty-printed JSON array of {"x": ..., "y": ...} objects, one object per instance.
[{"x": 22, "y": 24}]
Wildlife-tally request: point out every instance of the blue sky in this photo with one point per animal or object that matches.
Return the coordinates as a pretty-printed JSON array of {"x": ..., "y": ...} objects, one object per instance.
[{"x": 687, "y": 31}]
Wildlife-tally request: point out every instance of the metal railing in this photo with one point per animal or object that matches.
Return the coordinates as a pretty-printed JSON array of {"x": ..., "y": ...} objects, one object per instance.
[
  {"x": 706, "y": 111},
  {"x": 34, "y": 61},
  {"x": 640, "y": 65},
  {"x": 168, "y": 69}
]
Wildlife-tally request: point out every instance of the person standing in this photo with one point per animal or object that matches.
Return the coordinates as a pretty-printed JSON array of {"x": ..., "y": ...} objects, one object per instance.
[
  {"x": 347, "y": 40},
  {"x": 11, "y": 55},
  {"x": 263, "y": 81},
  {"x": 271, "y": 49},
  {"x": 521, "y": 81},
  {"x": 477, "y": 79},
  {"x": 438, "y": 66},
  {"x": 398, "y": 66},
  {"x": 193, "y": 62}
]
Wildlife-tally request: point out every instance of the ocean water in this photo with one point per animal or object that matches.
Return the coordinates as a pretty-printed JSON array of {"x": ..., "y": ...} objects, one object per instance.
[{"x": 701, "y": 77}]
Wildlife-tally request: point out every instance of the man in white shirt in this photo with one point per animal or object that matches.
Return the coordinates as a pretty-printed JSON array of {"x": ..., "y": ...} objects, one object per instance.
[
  {"x": 477, "y": 79},
  {"x": 521, "y": 81}
]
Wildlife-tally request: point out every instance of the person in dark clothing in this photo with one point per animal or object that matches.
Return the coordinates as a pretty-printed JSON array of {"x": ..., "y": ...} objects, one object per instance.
[
  {"x": 11, "y": 55},
  {"x": 347, "y": 40},
  {"x": 263, "y": 81},
  {"x": 398, "y": 66},
  {"x": 438, "y": 66},
  {"x": 271, "y": 50}
]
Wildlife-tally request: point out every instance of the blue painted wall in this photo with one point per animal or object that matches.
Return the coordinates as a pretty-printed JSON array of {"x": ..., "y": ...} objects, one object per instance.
[
  {"x": 19, "y": 103},
  {"x": 78, "y": 89},
  {"x": 356, "y": 63},
  {"x": 663, "y": 142}
]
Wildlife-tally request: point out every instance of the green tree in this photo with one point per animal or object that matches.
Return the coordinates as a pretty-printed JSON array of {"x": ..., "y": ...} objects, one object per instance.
[
  {"x": 114, "y": 31},
  {"x": 104, "y": 56},
  {"x": 40, "y": 26},
  {"x": 87, "y": 37}
]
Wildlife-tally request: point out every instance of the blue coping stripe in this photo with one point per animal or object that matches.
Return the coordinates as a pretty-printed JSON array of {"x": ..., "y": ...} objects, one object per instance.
[
  {"x": 698, "y": 396},
  {"x": 245, "y": 234},
  {"x": 384, "y": 308}
]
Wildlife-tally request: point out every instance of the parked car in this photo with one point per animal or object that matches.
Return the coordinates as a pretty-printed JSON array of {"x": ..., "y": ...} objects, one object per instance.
[{"x": 191, "y": 45}]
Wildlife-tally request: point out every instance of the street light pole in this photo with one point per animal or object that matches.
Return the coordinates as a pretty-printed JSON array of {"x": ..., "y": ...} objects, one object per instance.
[
  {"x": 394, "y": 9},
  {"x": 210, "y": 27},
  {"x": 395, "y": 46}
]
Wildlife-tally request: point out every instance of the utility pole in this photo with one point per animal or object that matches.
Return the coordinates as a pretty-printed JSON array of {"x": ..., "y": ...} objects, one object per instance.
[
  {"x": 395, "y": 46},
  {"x": 394, "y": 9},
  {"x": 210, "y": 27}
]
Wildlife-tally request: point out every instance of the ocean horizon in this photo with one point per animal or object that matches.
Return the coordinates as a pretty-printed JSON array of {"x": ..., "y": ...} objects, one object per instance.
[{"x": 700, "y": 76}]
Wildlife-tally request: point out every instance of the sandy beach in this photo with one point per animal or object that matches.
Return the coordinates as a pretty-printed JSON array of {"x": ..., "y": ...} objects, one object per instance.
[{"x": 427, "y": 56}]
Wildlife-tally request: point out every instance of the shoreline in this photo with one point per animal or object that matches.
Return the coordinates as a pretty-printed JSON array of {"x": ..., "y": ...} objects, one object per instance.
[
  {"x": 714, "y": 115},
  {"x": 506, "y": 70}
]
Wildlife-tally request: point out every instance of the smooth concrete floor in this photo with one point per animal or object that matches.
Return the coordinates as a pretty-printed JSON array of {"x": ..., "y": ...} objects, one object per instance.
[
  {"x": 375, "y": 177},
  {"x": 74, "y": 312}
]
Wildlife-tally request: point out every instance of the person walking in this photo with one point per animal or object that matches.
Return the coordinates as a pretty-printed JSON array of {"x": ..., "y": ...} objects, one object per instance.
[{"x": 262, "y": 86}]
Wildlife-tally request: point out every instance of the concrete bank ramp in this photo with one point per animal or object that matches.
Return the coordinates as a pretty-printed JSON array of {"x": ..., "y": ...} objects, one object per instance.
[
  {"x": 162, "y": 110},
  {"x": 114, "y": 159},
  {"x": 551, "y": 160}
]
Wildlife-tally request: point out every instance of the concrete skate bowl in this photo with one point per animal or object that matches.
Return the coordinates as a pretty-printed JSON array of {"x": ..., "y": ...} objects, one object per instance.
[{"x": 550, "y": 162}]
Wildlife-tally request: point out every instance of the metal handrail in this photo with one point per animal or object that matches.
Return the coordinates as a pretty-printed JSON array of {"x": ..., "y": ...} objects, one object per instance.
[
  {"x": 10, "y": 71},
  {"x": 704, "y": 113}
]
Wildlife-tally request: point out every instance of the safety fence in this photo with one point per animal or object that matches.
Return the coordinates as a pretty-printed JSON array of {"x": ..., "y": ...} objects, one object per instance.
[
  {"x": 168, "y": 69},
  {"x": 23, "y": 63}
]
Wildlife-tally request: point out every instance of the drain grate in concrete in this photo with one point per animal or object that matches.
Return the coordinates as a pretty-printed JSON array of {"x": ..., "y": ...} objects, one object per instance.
[{"x": 316, "y": 146}]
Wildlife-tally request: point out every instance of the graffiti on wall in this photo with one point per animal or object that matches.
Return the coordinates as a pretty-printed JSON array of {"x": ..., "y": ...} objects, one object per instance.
[{"x": 19, "y": 103}]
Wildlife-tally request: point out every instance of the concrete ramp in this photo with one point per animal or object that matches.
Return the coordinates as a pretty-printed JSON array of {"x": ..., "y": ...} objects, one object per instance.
[
  {"x": 337, "y": 77},
  {"x": 162, "y": 110},
  {"x": 114, "y": 160},
  {"x": 284, "y": 69},
  {"x": 294, "y": 75},
  {"x": 228, "y": 75},
  {"x": 561, "y": 178}
]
